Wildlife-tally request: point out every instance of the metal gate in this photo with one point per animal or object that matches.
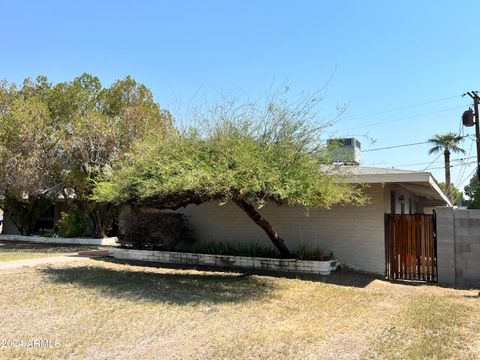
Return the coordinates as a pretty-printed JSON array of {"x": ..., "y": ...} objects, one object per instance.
[{"x": 410, "y": 247}]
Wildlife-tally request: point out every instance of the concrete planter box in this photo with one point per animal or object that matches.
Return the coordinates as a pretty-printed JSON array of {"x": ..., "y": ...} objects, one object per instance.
[
  {"x": 228, "y": 261},
  {"x": 57, "y": 240}
]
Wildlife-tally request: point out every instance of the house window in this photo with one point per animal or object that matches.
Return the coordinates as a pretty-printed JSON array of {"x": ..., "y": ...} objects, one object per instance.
[
  {"x": 393, "y": 204},
  {"x": 410, "y": 206},
  {"x": 45, "y": 221},
  {"x": 402, "y": 204}
]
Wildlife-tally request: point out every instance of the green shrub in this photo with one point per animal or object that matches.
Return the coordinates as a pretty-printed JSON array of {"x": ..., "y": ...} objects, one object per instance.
[
  {"x": 71, "y": 225},
  {"x": 255, "y": 250},
  {"x": 155, "y": 231},
  {"x": 316, "y": 253}
]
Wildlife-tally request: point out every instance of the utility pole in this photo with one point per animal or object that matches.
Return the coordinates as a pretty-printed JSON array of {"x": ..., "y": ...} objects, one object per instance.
[{"x": 476, "y": 100}]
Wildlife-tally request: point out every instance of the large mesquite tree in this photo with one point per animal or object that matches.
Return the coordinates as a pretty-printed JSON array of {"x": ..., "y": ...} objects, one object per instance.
[
  {"x": 249, "y": 155},
  {"x": 56, "y": 139},
  {"x": 28, "y": 159},
  {"x": 97, "y": 126}
]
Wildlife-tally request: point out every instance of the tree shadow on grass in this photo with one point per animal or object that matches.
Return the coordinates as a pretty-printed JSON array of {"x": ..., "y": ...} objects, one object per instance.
[
  {"x": 180, "y": 288},
  {"x": 340, "y": 277}
]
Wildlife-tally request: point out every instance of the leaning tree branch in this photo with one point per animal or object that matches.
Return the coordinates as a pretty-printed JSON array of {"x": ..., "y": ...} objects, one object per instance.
[{"x": 265, "y": 225}]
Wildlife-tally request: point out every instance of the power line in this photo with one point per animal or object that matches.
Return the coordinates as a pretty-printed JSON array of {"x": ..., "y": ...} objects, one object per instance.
[
  {"x": 443, "y": 167},
  {"x": 400, "y": 108},
  {"x": 432, "y": 162},
  {"x": 464, "y": 168},
  {"x": 395, "y": 146},
  {"x": 405, "y": 145},
  {"x": 461, "y": 132},
  {"x": 466, "y": 177},
  {"x": 406, "y": 118},
  {"x": 427, "y": 162},
  {"x": 476, "y": 101}
]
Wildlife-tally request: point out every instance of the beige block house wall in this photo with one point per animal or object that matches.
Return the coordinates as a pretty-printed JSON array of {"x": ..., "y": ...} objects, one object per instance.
[{"x": 355, "y": 235}]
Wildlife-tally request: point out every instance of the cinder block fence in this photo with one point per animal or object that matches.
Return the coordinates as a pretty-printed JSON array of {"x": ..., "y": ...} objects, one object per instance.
[{"x": 458, "y": 246}]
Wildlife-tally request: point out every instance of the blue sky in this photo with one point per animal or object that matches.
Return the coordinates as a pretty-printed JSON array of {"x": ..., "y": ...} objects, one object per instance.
[{"x": 383, "y": 55}]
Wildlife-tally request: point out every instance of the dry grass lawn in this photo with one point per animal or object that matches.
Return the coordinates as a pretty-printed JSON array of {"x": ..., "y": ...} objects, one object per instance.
[
  {"x": 12, "y": 251},
  {"x": 99, "y": 309}
]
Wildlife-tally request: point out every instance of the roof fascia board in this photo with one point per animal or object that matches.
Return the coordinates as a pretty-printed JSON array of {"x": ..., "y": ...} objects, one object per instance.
[
  {"x": 434, "y": 184},
  {"x": 386, "y": 178}
]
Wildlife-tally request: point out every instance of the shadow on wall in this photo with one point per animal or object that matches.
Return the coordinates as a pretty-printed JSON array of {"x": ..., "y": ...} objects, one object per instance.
[{"x": 176, "y": 288}]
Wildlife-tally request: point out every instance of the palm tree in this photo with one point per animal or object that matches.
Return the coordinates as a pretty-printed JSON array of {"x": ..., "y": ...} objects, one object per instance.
[{"x": 446, "y": 143}]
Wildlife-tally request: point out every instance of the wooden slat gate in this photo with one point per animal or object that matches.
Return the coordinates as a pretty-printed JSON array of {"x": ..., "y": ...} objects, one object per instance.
[{"x": 410, "y": 247}]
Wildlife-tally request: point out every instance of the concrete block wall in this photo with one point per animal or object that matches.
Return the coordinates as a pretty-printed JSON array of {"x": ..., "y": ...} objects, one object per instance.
[{"x": 458, "y": 247}]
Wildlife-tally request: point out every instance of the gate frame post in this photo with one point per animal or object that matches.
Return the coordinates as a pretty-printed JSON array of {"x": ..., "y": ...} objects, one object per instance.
[{"x": 388, "y": 245}]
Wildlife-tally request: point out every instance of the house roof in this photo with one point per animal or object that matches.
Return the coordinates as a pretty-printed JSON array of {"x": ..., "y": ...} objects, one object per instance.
[{"x": 418, "y": 182}]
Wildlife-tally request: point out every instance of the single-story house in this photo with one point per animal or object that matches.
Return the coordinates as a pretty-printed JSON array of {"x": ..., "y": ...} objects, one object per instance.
[{"x": 355, "y": 235}]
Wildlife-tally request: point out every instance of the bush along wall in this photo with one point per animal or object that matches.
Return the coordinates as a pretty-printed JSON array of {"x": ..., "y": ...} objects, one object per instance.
[
  {"x": 154, "y": 231},
  {"x": 304, "y": 252},
  {"x": 71, "y": 225}
]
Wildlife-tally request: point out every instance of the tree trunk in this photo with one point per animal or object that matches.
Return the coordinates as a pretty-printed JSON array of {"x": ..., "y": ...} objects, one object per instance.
[
  {"x": 265, "y": 225},
  {"x": 446, "y": 153},
  {"x": 98, "y": 225}
]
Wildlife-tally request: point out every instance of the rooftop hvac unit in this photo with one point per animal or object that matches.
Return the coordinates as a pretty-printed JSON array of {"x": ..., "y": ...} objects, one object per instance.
[{"x": 344, "y": 151}]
